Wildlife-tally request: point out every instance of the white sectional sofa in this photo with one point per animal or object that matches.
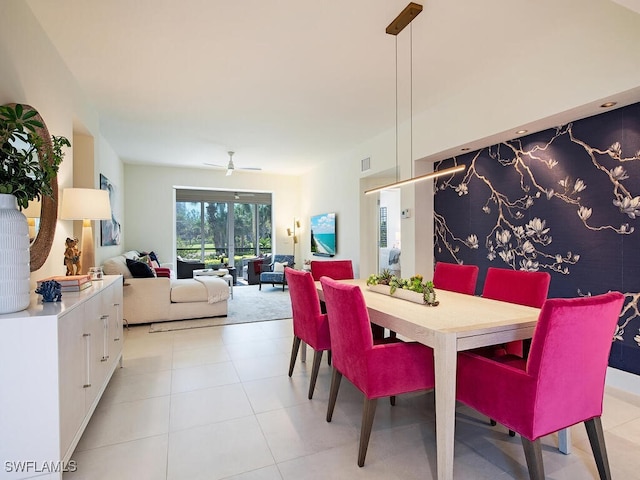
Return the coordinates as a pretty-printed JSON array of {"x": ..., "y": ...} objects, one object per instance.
[{"x": 148, "y": 300}]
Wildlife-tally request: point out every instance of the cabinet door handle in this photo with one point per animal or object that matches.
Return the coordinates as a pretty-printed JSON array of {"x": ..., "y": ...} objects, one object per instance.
[
  {"x": 87, "y": 337},
  {"x": 105, "y": 344},
  {"x": 118, "y": 323}
]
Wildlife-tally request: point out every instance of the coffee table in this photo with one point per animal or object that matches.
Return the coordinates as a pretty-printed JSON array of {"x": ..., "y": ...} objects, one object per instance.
[{"x": 221, "y": 272}]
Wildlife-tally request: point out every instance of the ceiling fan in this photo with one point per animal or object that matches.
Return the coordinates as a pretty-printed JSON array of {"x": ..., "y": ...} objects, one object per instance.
[{"x": 230, "y": 166}]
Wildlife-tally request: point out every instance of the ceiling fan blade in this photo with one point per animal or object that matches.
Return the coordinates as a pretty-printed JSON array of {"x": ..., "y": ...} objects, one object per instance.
[
  {"x": 214, "y": 165},
  {"x": 249, "y": 168}
]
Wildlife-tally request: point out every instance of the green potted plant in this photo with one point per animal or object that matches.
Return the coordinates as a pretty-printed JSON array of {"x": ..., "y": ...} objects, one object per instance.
[
  {"x": 30, "y": 159},
  {"x": 25, "y": 174}
]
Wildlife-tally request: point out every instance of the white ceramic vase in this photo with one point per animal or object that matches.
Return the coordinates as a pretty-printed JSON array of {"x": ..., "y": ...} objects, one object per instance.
[{"x": 14, "y": 257}]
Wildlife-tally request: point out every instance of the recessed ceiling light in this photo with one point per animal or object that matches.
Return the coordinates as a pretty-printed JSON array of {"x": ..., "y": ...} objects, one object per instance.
[
  {"x": 608, "y": 104},
  {"x": 520, "y": 132}
]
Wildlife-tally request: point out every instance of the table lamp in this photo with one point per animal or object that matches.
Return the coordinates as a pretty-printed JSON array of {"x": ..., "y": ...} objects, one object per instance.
[{"x": 85, "y": 204}]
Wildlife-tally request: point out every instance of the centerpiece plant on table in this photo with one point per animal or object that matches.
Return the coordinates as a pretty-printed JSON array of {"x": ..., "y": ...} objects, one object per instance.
[{"x": 414, "y": 284}]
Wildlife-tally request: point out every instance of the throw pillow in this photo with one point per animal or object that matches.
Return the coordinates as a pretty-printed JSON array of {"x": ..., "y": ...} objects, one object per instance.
[
  {"x": 139, "y": 269},
  {"x": 154, "y": 259},
  {"x": 116, "y": 266},
  {"x": 279, "y": 267}
]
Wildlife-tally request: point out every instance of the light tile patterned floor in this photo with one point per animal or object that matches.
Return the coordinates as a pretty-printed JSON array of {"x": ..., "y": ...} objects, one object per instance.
[{"x": 216, "y": 403}]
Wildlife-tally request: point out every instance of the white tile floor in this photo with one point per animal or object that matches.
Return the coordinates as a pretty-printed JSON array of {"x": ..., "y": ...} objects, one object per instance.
[{"x": 216, "y": 403}]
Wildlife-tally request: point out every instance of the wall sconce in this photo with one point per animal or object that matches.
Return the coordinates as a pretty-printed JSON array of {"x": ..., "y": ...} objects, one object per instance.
[{"x": 85, "y": 204}]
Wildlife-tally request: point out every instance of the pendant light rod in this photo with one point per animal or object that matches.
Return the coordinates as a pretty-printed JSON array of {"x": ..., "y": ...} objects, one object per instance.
[
  {"x": 411, "y": 97},
  {"x": 405, "y": 17},
  {"x": 436, "y": 174},
  {"x": 397, "y": 148}
]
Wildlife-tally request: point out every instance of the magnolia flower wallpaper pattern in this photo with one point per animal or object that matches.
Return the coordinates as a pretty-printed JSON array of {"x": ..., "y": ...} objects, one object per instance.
[{"x": 565, "y": 201}]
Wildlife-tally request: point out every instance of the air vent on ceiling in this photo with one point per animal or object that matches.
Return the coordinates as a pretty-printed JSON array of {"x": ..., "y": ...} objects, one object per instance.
[{"x": 365, "y": 164}]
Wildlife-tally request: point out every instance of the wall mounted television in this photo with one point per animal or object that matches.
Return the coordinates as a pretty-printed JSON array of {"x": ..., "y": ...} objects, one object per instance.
[{"x": 323, "y": 235}]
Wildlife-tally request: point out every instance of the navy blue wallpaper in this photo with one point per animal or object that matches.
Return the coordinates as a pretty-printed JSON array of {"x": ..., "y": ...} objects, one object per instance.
[{"x": 566, "y": 201}]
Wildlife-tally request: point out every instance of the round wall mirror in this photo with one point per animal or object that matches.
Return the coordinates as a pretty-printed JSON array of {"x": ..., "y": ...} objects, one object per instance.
[{"x": 41, "y": 244}]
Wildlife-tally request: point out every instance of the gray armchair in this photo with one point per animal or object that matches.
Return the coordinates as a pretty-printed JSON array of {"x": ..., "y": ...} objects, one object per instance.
[
  {"x": 186, "y": 268},
  {"x": 269, "y": 273}
]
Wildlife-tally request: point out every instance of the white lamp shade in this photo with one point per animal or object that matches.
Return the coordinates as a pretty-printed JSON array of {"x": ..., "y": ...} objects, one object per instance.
[{"x": 85, "y": 204}]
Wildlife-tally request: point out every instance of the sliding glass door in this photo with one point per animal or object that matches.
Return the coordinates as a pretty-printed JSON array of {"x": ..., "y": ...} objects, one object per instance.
[{"x": 222, "y": 227}]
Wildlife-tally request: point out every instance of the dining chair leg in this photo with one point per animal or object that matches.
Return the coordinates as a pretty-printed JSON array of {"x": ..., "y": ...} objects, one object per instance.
[
  {"x": 294, "y": 354},
  {"x": 492, "y": 422},
  {"x": 368, "y": 412},
  {"x": 333, "y": 393},
  {"x": 596, "y": 438},
  {"x": 392, "y": 400},
  {"x": 329, "y": 357},
  {"x": 317, "y": 358},
  {"x": 533, "y": 454}
]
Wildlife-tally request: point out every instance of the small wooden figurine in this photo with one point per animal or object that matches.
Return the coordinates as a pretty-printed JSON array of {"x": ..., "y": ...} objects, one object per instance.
[{"x": 72, "y": 257}]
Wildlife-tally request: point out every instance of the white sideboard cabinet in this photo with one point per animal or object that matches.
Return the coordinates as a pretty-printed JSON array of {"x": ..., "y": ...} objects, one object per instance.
[{"x": 56, "y": 360}]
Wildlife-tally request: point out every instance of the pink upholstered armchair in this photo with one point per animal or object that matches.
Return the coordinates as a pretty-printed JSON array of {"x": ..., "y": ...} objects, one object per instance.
[
  {"x": 377, "y": 370},
  {"x": 561, "y": 383},
  {"x": 309, "y": 324},
  {"x": 455, "y": 277}
]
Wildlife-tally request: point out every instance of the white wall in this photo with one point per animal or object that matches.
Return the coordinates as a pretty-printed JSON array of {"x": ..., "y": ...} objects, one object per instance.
[
  {"x": 333, "y": 187},
  {"x": 108, "y": 163}
]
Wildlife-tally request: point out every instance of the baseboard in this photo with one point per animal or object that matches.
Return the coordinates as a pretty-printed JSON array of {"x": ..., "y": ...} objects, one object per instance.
[{"x": 623, "y": 380}]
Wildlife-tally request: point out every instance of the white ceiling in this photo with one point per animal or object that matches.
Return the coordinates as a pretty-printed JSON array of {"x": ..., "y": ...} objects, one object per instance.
[{"x": 285, "y": 84}]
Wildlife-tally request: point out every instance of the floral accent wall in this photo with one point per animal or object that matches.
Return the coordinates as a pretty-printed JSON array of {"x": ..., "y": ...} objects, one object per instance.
[{"x": 565, "y": 201}]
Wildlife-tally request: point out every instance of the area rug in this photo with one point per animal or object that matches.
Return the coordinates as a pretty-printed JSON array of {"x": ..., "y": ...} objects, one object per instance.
[{"x": 247, "y": 305}]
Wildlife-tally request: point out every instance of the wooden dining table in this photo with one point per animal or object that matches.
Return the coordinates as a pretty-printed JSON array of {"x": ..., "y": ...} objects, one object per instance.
[{"x": 460, "y": 322}]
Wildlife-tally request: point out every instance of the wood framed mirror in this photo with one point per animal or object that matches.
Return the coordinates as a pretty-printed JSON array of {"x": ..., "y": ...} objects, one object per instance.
[{"x": 41, "y": 245}]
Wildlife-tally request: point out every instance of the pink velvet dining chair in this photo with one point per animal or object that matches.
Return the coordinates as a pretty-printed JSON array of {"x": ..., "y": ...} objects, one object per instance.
[
  {"x": 559, "y": 385},
  {"x": 515, "y": 286},
  {"x": 310, "y": 325},
  {"x": 336, "y": 269},
  {"x": 340, "y": 270},
  {"x": 456, "y": 277},
  {"x": 378, "y": 370}
]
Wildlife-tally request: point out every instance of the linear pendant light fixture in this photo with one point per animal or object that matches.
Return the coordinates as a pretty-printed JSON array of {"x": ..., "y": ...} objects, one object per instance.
[
  {"x": 427, "y": 176},
  {"x": 405, "y": 17}
]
